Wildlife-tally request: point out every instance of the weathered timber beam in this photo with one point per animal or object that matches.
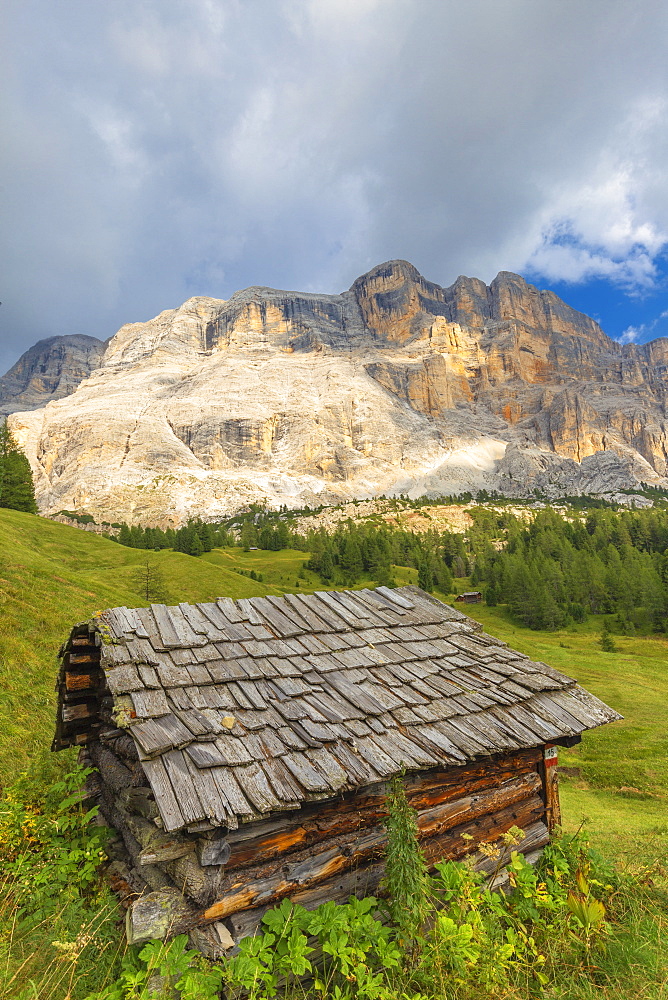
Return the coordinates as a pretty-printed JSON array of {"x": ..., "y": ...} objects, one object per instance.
[
  {"x": 430, "y": 821},
  {"x": 115, "y": 816},
  {"x": 139, "y": 834},
  {"x": 470, "y": 807},
  {"x": 157, "y": 846},
  {"x": 213, "y": 851},
  {"x": 453, "y": 844},
  {"x": 200, "y": 884},
  {"x": 311, "y": 826},
  {"x": 446, "y": 781},
  {"x": 113, "y": 771},
  {"x": 272, "y": 885},
  {"x": 121, "y": 743},
  {"x": 139, "y": 800},
  {"x": 83, "y": 710},
  {"x": 551, "y": 788},
  {"x": 82, "y": 659},
  {"x": 159, "y": 854},
  {"x": 496, "y": 768},
  {"x": 82, "y": 682},
  {"x": 82, "y": 640},
  {"x": 361, "y": 881}
]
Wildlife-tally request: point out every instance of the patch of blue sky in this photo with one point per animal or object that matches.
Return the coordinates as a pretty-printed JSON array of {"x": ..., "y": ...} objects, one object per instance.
[{"x": 629, "y": 319}]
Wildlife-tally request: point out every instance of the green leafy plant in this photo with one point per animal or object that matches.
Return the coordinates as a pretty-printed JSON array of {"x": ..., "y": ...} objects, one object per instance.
[
  {"x": 406, "y": 879},
  {"x": 57, "y": 919},
  {"x": 355, "y": 951},
  {"x": 164, "y": 970}
]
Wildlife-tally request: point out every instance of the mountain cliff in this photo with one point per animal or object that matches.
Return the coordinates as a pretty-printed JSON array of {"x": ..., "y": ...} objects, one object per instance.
[
  {"x": 51, "y": 369},
  {"x": 397, "y": 385}
]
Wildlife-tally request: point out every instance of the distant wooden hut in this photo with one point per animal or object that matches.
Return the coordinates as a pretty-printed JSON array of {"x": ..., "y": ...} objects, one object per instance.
[
  {"x": 469, "y": 597},
  {"x": 244, "y": 747}
]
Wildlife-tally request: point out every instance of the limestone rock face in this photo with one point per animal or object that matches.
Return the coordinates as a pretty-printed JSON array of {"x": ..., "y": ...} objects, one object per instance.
[
  {"x": 397, "y": 385},
  {"x": 51, "y": 369}
]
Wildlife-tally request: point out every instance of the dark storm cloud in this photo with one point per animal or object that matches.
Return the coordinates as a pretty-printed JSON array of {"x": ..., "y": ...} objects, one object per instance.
[{"x": 157, "y": 150}]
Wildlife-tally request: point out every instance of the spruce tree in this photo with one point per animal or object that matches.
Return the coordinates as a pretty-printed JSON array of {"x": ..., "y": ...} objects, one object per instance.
[
  {"x": 327, "y": 565},
  {"x": 17, "y": 491},
  {"x": 606, "y": 641},
  {"x": 124, "y": 536},
  {"x": 194, "y": 544},
  {"x": 425, "y": 577},
  {"x": 205, "y": 532},
  {"x": 351, "y": 558}
]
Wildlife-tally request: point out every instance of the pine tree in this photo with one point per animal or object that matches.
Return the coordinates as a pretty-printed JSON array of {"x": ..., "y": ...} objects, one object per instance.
[
  {"x": 425, "y": 577},
  {"x": 205, "y": 532},
  {"x": 606, "y": 641},
  {"x": 248, "y": 535},
  {"x": 266, "y": 539},
  {"x": 124, "y": 536},
  {"x": 443, "y": 578},
  {"x": 17, "y": 491},
  {"x": 351, "y": 558},
  {"x": 327, "y": 565},
  {"x": 194, "y": 544}
]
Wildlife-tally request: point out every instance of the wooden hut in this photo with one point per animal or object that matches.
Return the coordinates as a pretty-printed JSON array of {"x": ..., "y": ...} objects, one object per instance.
[
  {"x": 244, "y": 747},
  {"x": 469, "y": 597}
]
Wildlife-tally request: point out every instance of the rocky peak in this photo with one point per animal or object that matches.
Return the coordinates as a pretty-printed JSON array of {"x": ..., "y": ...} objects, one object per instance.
[
  {"x": 177, "y": 332},
  {"x": 50, "y": 369},
  {"x": 396, "y": 302},
  {"x": 397, "y": 384}
]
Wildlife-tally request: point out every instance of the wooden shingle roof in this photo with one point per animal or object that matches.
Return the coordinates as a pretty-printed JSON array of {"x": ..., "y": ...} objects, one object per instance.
[{"x": 244, "y": 708}]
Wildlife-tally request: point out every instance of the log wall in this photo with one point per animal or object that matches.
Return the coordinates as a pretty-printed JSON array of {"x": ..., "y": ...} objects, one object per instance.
[
  {"x": 337, "y": 850},
  {"x": 324, "y": 851},
  {"x": 80, "y": 687}
]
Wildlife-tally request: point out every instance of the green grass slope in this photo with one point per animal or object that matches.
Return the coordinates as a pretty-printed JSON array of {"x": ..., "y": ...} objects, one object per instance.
[
  {"x": 620, "y": 779},
  {"x": 52, "y": 576}
]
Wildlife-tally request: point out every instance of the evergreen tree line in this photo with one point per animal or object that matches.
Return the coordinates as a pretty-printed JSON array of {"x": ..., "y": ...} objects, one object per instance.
[
  {"x": 356, "y": 550},
  {"x": 550, "y": 572},
  {"x": 193, "y": 538},
  {"x": 16, "y": 486},
  {"x": 556, "y": 571}
]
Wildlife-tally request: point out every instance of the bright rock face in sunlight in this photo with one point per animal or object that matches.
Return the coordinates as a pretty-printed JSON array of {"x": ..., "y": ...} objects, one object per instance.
[{"x": 397, "y": 385}]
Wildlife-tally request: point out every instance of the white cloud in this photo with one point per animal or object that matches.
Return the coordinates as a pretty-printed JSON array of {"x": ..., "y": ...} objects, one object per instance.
[
  {"x": 159, "y": 150},
  {"x": 632, "y": 335},
  {"x": 642, "y": 332}
]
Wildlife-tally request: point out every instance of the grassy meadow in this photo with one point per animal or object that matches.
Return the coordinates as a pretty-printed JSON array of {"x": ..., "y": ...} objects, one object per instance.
[{"x": 53, "y": 575}]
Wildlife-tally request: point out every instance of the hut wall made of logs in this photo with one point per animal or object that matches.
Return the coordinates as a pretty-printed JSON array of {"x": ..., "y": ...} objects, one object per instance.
[{"x": 244, "y": 749}]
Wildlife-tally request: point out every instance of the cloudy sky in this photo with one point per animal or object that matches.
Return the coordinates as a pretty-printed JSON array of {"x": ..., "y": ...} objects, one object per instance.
[{"x": 158, "y": 149}]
